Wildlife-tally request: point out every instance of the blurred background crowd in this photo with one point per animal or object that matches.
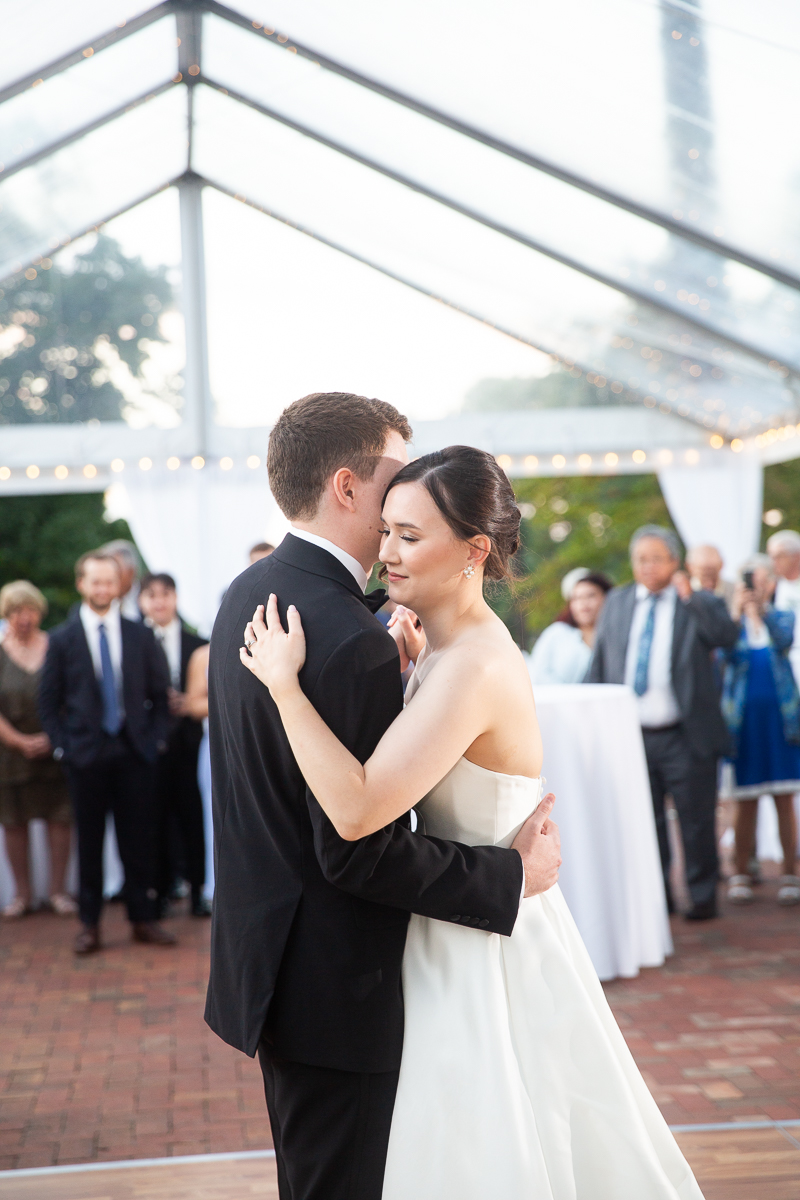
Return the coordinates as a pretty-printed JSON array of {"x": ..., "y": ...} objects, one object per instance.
[{"x": 104, "y": 716}]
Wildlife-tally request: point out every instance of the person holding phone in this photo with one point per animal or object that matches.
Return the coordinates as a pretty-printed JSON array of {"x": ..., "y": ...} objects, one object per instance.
[{"x": 761, "y": 706}]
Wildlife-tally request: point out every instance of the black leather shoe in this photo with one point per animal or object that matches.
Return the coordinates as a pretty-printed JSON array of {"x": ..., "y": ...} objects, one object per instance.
[
  {"x": 201, "y": 907},
  {"x": 88, "y": 940},
  {"x": 152, "y": 934},
  {"x": 702, "y": 912}
]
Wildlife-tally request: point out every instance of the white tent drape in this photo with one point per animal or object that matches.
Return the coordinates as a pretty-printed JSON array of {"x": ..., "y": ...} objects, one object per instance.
[
  {"x": 199, "y": 526},
  {"x": 719, "y": 504}
]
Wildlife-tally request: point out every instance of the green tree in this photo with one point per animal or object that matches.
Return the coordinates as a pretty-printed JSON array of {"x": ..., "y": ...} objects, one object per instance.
[
  {"x": 63, "y": 327},
  {"x": 42, "y": 536},
  {"x": 560, "y": 388},
  {"x": 782, "y": 492},
  {"x": 572, "y": 522}
]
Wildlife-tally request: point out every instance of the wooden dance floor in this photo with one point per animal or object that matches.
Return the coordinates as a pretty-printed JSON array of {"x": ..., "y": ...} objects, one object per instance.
[{"x": 736, "y": 1164}]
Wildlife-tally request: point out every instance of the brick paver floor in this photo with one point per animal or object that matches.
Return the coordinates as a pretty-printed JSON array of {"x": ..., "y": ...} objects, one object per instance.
[{"x": 108, "y": 1057}]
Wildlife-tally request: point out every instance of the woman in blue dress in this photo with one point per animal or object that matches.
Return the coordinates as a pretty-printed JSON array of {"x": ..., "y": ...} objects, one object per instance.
[{"x": 761, "y": 705}]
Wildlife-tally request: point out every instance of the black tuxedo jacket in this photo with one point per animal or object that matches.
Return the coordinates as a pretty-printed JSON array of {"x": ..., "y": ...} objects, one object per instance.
[
  {"x": 308, "y": 930},
  {"x": 70, "y": 702},
  {"x": 701, "y": 624}
]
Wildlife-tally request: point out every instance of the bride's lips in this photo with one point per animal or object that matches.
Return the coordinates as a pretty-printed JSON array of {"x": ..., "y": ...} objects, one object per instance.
[{"x": 390, "y": 575}]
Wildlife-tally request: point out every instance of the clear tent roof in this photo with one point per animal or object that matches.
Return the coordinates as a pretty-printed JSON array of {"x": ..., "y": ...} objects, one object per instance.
[{"x": 612, "y": 184}]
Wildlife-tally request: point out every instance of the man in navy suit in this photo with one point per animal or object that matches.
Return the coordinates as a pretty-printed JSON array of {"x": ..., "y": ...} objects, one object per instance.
[{"x": 103, "y": 704}]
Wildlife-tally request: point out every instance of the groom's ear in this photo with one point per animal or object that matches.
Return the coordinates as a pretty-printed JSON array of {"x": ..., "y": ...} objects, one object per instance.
[{"x": 343, "y": 485}]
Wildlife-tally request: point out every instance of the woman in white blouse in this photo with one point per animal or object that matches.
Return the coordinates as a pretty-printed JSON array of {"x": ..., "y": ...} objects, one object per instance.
[{"x": 562, "y": 653}]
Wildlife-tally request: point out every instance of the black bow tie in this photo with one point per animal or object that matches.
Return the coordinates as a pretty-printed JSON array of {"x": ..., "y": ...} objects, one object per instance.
[{"x": 375, "y": 600}]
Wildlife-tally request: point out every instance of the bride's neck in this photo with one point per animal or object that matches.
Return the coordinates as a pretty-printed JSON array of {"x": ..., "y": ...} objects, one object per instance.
[{"x": 444, "y": 620}]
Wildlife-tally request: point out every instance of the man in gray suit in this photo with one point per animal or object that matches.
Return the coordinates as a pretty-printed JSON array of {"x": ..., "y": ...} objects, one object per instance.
[{"x": 657, "y": 635}]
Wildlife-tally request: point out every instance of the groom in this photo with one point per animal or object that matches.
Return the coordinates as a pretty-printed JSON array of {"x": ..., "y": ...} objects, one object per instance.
[{"x": 308, "y": 929}]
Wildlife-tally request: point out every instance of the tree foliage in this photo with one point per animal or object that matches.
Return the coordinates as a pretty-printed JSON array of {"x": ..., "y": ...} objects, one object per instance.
[
  {"x": 66, "y": 327},
  {"x": 560, "y": 388},
  {"x": 41, "y": 537}
]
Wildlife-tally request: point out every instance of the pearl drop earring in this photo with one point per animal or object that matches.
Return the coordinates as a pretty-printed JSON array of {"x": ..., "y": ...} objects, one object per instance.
[{"x": 469, "y": 570}]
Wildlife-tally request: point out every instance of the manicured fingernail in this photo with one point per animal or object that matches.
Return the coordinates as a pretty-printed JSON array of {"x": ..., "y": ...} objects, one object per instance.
[{"x": 291, "y": 608}]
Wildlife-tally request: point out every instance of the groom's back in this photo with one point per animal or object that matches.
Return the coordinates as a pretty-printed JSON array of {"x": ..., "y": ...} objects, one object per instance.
[{"x": 284, "y": 940}]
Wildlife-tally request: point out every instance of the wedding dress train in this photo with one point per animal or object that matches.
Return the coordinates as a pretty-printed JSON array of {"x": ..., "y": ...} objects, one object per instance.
[{"x": 515, "y": 1082}]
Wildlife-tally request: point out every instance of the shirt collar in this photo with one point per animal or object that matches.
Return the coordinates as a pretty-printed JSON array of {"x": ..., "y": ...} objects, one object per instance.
[
  {"x": 353, "y": 565},
  {"x": 94, "y": 619},
  {"x": 163, "y": 630},
  {"x": 642, "y": 592}
]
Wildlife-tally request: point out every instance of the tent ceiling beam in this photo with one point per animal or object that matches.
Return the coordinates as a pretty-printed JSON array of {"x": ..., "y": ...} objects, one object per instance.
[
  {"x": 574, "y": 264},
  {"x": 34, "y": 78},
  {"x": 77, "y": 134},
  {"x": 717, "y": 245},
  {"x": 183, "y": 9}
]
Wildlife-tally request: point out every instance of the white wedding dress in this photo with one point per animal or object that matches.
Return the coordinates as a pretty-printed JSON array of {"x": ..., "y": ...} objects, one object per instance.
[{"x": 515, "y": 1082}]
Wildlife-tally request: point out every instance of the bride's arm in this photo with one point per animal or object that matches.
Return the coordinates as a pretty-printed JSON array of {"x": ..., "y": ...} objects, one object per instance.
[{"x": 415, "y": 753}]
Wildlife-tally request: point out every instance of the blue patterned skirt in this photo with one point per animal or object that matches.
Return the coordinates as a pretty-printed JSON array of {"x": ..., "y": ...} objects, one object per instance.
[{"x": 766, "y": 762}]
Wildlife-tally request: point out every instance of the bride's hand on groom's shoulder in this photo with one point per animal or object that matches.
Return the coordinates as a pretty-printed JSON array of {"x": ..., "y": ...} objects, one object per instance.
[
  {"x": 406, "y": 629},
  {"x": 539, "y": 845},
  {"x": 272, "y": 654}
]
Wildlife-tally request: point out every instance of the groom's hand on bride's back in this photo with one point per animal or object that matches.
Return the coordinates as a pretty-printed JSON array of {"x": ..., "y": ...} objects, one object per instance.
[{"x": 539, "y": 845}]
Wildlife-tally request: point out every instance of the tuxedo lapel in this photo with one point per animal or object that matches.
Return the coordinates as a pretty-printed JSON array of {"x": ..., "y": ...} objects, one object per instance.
[
  {"x": 627, "y": 604},
  {"x": 296, "y": 552},
  {"x": 84, "y": 655}
]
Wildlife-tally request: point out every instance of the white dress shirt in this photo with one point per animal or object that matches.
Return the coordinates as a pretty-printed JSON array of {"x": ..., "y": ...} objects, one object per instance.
[
  {"x": 91, "y": 622},
  {"x": 560, "y": 655},
  {"x": 169, "y": 637},
  {"x": 353, "y": 565},
  {"x": 658, "y": 706}
]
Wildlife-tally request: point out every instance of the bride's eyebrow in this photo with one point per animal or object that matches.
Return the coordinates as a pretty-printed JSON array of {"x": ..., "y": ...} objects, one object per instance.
[{"x": 407, "y": 525}]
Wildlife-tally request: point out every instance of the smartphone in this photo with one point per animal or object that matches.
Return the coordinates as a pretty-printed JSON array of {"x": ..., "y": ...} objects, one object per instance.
[{"x": 747, "y": 580}]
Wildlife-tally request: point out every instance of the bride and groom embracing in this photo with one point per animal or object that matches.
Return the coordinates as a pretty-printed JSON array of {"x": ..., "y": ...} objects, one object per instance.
[{"x": 428, "y": 1023}]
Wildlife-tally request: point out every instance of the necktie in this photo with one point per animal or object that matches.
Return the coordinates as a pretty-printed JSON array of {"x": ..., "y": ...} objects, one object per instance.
[
  {"x": 645, "y": 645},
  {"x": 108, "y": 686}
]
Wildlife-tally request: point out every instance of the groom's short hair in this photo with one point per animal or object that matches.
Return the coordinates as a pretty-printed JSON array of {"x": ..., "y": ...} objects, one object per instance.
[{"x": 316, "y": 436}]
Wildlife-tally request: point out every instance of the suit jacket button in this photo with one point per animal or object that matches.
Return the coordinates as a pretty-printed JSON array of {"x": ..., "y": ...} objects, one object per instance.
[
  {"x": 484, "y": 924},
  {"x": 456, "y": 917}
]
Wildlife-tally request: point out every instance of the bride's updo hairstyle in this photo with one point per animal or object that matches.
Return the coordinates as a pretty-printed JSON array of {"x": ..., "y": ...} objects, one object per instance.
[{"x": 474, "y": 496}]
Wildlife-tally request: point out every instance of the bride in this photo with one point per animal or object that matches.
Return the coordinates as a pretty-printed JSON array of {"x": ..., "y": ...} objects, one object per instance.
[{"x": 515, "y": 1080}]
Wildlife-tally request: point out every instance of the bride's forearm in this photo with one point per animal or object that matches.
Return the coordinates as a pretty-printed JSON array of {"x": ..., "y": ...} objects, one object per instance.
[{"x": 333, "y": 774}]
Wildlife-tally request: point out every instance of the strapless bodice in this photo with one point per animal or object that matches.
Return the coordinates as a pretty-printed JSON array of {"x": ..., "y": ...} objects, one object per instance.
[{"x": 477, "y": 806}]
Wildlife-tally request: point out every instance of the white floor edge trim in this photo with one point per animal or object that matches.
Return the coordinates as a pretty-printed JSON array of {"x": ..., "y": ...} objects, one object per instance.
[
  {"x": 234, "y": 1156},
  {"x": 238, "y": 1155}
]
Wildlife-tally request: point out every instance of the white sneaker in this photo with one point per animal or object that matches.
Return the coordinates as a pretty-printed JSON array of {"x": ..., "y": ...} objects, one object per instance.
[
  {"x": 740, "y": 890},
  {"x": 789, "y": 890}
]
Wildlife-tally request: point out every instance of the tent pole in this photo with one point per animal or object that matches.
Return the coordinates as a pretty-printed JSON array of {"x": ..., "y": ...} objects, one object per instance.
[{"x": 197, "y": 391}]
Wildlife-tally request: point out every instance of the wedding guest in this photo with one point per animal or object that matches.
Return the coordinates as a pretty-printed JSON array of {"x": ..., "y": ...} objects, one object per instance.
[
  {"x": 564, "y": 649},
  {"x": 129, "y": 563},
  {"x": 32, "y": 785},
  {"x": 704, "y": 565},
  {"x": 656, "y": 635},
  {"x": 761, "y": 705},
  {"x": 197, "y": 707},
  {"x": 103, "y": 704},
  {"x": 181, "y": 851},
  {"x": 259, "y": 551},
  {"x": 784, "y": 550}
]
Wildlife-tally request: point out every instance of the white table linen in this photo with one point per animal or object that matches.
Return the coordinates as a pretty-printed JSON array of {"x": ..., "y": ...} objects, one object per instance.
[{"x": 611, "y": 877}]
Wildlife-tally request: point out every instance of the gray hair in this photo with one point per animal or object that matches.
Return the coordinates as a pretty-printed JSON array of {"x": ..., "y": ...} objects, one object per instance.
[
  {"x": 784, "y": 539},
  {"x": 666, "y": 536},
  {"x": 757, "y": 560},
  {"x": 126, "y": 551}
]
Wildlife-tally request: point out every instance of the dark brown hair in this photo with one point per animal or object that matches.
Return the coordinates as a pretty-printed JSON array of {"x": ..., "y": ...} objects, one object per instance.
[
  {"x": 91, "y": 555},
  {"x": 474, "y": 496},
  {"x": 151, "y": 577},
  {"x": 316, "y": 436},
  {"x": 596, "y": 579}
]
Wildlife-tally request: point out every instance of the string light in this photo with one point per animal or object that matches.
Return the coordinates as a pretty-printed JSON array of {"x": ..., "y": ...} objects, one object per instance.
[
  {"x": 505, "y": 461},
  {"x": 61, "y": 472},
  {"x": 32, "y": 472},
  {"x": 5, "y": 473},
  {"x": 226, "y": 464},
  {"x": 611, "y": 459},
  {"x": 198, "y": 462},
  {"x": 737, "y": 445},
  {"x": 559, "y": 460},
  {"x": 531, "y": 462},
  {"x": 639, "y": 456},
  {"x": 692, "y": 457},
  {"x": 90, "y": 470},
  {"x": 117, "y": 465},
  {"x": 173, "y": 463},
  {"x": 253, "y": 462},
  {"x": 584, "y": 460},
  {"x": 145, "y": 464},
  {"x": 716, "y": 442}
]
